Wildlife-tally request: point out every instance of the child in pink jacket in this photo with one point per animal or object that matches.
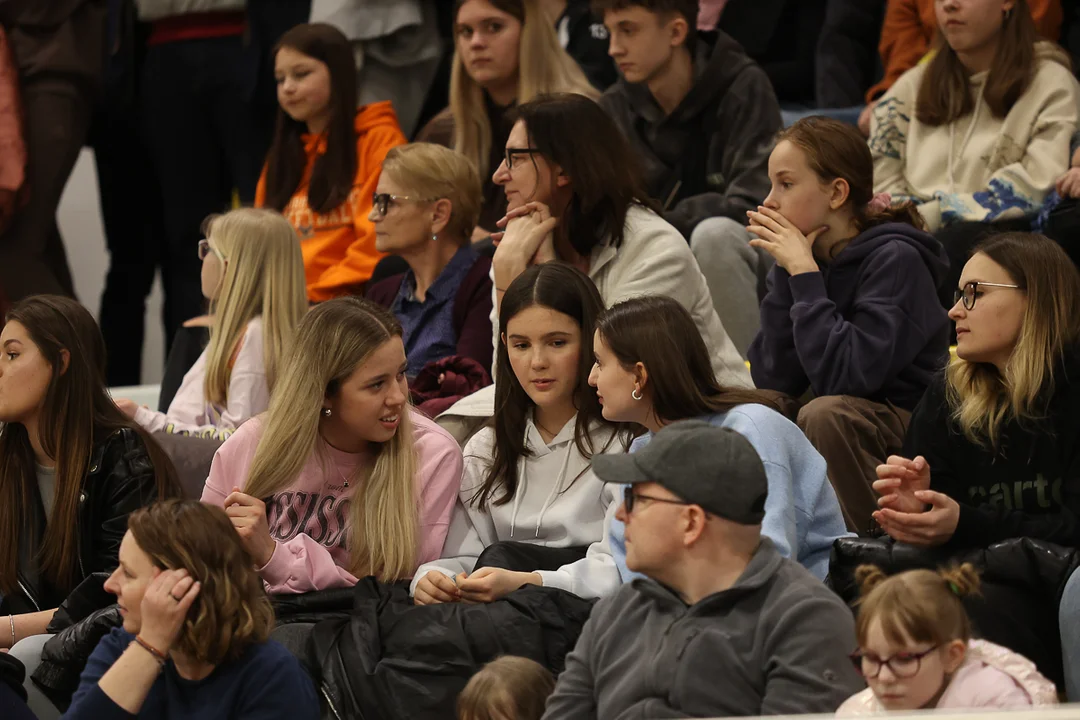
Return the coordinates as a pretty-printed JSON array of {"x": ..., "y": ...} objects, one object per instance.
[
  {"x": 916, "y": 651},
  {"x": 341, "y": 477}
]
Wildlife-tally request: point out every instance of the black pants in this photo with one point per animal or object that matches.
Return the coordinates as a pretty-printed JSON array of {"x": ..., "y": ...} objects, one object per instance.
[
  {"x": 130, "y": 211},
  {"x": 57, "y": 115},
  {"x": 206, "y": 136},
  {"x": 1063, "y": 227}
]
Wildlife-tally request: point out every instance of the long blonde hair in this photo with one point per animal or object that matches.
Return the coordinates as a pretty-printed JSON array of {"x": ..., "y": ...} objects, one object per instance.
[
  {"x": 543, "y": 67},
  {"x": 333, "y": 340},
  {"x": 264, "y": 277},
  {"x": 980, "y": 397}
]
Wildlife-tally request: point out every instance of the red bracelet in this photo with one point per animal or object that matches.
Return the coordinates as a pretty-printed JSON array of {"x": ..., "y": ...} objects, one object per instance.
[{"x": 158, "y": 655}]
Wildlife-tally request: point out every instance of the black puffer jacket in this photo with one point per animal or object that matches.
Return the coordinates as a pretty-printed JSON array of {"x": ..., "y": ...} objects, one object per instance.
[
  {"x": 392, "y": 659},
  {"x": 119, "y": 480},
  {"x": 1022, "y": 582}
]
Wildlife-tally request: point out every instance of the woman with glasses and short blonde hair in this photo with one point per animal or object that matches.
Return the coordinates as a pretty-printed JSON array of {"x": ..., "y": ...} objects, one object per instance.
[{"x": 425, "y": 208}]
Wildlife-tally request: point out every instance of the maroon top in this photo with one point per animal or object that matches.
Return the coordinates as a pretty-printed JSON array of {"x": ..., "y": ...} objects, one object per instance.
[{"x": 471, "y": 312}]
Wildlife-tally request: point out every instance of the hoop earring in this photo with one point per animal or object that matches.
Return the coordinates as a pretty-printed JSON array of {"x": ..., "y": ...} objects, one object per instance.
[
  {"x": 636, "y": 395},
  {"x": 326, "y": 412}
]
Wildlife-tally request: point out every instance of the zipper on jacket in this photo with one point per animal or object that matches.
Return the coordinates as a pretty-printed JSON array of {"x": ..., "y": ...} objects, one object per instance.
[
  {"x": 329, "y": 702},
  {"x": 78, "y": 537},
  {"x": 27, "y": 593}
]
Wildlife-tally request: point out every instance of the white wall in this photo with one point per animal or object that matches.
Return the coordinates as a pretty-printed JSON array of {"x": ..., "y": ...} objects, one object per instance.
[{"x": 84, "y": 239}]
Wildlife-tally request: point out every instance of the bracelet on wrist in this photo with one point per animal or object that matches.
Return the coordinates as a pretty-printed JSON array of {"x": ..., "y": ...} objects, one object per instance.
[{"x": 158, "y": 655}]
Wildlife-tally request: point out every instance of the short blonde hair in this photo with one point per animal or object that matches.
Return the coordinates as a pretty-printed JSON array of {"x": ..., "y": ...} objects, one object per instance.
[
  {"x": 264, "y": 277},
  {"x": 505, "y": 688},
  {"x": 231, "y": 612},
  {"x": 433, "y": 172}
]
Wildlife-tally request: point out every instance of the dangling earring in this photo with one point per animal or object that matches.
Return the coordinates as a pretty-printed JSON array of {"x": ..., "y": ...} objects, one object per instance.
[
  {"x": 326, "y": 412},
  {"x": 636, "y": 395}
]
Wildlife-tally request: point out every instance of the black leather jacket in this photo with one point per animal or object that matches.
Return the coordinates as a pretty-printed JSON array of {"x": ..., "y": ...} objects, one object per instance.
[{"x": 119, "y": 480}]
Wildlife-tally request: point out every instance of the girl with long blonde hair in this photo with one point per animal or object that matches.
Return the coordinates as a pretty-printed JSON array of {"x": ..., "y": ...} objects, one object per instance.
[
  {"x": 506, "y": 53},
  {"x": 341, "y": 478},
  {"x": 994, "y": 441},
  {"x": 253, "y": 275}
]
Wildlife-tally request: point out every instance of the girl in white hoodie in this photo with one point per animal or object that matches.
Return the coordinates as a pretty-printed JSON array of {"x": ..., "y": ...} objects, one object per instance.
[{"x": 528, "y": 476}]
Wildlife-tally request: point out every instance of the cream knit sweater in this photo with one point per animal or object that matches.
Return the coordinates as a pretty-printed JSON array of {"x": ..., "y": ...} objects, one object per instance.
[{"x": 980, "y": 167}]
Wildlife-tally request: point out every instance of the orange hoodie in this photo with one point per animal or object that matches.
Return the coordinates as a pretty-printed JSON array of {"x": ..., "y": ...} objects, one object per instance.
[
  {"x": 910, "y": 26},
  {"x": 339, "y": 247}
]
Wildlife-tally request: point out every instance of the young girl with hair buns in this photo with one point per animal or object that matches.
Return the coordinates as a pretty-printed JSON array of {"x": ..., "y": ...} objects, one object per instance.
[{"x": 916, "y": 650}]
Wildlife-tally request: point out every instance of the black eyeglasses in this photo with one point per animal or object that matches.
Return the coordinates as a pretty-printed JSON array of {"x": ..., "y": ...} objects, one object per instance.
[
  {"x": 970, "y": 293},
  {"x": 902, "y": 665},
  {"x": 630, "y": 498},
  {"x": 381, "y": 202},
  {"x": 511, "y": 153}
]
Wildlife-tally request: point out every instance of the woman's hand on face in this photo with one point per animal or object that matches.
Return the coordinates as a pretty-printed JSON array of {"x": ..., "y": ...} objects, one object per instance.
[
  {"x": 528, "y": 240},
  {"x": 435, "y": 588},
  {"x": 777, "y": 236},
  {"x": 248, "y": 516},
  {"x": 899, "y": 482},
  {"x": 933, "y": 527},
  {"x": 165, "y": 606},
  {"x": 128, "y": 407},
  {"x": 489, "y": 584}
]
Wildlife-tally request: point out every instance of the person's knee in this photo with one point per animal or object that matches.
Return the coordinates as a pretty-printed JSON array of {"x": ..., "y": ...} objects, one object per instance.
[
  {"x": 823, "y": 416},
  {"x": 28, "y": 651},
  {"x": 720, "y": 232},
  {"x": 1070, "y": 606}
]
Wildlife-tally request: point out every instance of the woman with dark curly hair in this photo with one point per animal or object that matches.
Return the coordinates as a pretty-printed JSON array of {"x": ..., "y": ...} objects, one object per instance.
[{"x": 196, "y": 622}]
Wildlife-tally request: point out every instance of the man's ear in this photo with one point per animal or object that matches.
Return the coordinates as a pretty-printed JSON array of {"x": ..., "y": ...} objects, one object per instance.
[{"x": 679, "y": 30}]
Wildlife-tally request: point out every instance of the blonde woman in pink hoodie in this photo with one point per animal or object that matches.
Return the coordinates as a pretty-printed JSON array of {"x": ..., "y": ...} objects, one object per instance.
[
  {"x": 916, "y": 650},
  {"x": 341, "y": 477}
]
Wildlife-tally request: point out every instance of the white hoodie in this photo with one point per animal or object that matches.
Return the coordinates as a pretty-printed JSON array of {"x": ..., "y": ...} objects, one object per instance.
[{"x": 559, "y": 503}]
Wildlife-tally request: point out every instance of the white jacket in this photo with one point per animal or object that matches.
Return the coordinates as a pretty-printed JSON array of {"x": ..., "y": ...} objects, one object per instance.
[
  {"x": 980, "y": 167},
  {"x": 559, "y": 503},
  {"x": 190, "y": 413}
]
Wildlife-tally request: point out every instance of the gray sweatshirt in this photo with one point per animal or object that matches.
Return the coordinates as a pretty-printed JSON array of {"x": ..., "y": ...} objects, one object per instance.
[{"x": 775, "y": 643}]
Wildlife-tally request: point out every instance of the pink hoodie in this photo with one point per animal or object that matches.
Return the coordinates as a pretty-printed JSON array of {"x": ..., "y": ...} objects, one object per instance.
[
  {"x": 309, "y": 520},
  {"x": 991, "y": 676}
]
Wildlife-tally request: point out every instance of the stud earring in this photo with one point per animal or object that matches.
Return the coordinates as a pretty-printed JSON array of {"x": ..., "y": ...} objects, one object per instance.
[
  {"x": 326, "y": 412},
  {"x": 434, "y": 237}
]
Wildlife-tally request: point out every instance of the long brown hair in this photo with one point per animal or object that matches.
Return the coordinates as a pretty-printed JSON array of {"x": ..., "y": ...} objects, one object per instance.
[
  {"x": 920, "y": 606},
  {"x": 945, "y": 92},
  {"x": 980, "y": 397},
  {"x": 659, "y": 333},
  {"x": 566, "y": 290},
  {"x": 231, "y": 611},
  {"x": 575, "y": 133},
  {"x": 334, "y": 172},
  {"x": 76, "y": 413},
  {"x": 835, "y": 150}
]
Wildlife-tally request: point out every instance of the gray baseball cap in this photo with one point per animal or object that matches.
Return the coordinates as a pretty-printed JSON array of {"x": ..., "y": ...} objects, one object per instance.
[{"x": 714, "y": 467}]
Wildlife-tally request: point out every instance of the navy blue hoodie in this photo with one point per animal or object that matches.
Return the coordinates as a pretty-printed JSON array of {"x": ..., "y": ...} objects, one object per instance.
[{"x": 869, "y": 324}]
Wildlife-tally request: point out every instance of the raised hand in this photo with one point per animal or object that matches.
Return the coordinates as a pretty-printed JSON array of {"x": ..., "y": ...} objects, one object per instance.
[
  {"x": 165, "y": 606},
  {"x": 777, "y": 236},
  {"x": 248, "y": 516}
]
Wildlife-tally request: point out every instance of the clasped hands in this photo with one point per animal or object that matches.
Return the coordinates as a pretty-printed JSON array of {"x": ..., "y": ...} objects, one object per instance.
[
  {"x": 910, "y": 511},
  {"x": 484, "y": 585}
]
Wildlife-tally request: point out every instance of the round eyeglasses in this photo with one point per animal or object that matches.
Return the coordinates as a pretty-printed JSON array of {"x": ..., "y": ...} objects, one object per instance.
[
  {"x": 971, "y": 292},
  {"x": 901, "y": 665}
]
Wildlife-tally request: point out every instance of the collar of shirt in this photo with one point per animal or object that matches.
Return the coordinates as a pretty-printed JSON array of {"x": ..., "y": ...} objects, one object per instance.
[{"x": 448, "y": 282}]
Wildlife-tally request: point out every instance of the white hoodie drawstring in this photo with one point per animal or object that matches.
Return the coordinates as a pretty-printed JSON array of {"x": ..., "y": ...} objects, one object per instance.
[
  {"x": 524, "y": 483},
  {"x": 967, "y": 137}
]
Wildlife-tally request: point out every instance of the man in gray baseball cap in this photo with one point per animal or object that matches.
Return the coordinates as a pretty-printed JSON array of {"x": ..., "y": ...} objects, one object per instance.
[{"x": 722, "y": 625}]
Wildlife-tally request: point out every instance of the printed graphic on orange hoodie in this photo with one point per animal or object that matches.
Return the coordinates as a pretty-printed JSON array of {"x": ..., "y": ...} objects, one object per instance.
[{"x": 339, "y": 246}]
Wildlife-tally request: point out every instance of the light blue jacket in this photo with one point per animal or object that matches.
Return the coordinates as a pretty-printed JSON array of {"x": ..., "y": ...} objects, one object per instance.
[{"x": 802, "y": 514}]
